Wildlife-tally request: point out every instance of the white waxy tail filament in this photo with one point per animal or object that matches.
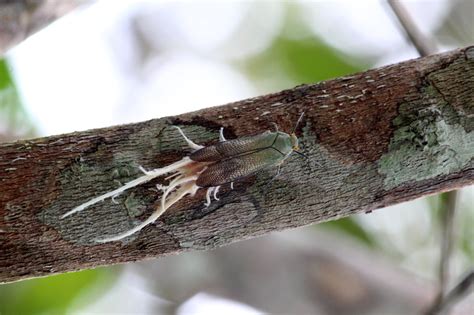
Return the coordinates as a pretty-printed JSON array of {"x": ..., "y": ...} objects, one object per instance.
[
  {"x": 161, "y": 209},
  {"x": 138, "y": 181}
]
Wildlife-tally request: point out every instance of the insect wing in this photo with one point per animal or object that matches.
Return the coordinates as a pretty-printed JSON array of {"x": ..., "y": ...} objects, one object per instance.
[
  {"x": 233, "y": 148},
  {"x": 235, "y": 168}
]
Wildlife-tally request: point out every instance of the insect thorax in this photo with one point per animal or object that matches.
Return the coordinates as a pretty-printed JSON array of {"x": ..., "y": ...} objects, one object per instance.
[{"x": 283, "y": 143}]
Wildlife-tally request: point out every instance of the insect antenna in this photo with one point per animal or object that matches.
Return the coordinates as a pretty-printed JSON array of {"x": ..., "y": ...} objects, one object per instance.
[
  {"x": 298, "y": 122},
  {"x": 301, "y": 154},
  {"x": 307, "y": 157}
]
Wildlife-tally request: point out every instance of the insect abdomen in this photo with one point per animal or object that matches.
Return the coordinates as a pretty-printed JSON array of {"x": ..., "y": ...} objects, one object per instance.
[{"x": 238, "y": 167}]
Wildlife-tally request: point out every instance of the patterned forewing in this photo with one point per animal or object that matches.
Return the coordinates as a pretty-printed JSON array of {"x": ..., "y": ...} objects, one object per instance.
[
  {"x": 232, "y": 148},
  {"x": 239, "y": 167}
]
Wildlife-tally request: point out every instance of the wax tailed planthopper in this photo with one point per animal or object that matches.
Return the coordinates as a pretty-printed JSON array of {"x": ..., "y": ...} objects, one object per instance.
[{"x": 208, "y": 167}]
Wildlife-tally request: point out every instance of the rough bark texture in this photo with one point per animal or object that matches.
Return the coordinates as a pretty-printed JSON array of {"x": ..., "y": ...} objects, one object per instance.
[
  {"x": 381, "y": 137},
  {"x": 21, "y": 18}
]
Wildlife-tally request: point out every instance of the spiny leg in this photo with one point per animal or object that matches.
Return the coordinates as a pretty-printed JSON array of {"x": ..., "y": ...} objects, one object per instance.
[
  {"x": 191, "y": 144},
  {"x": 143, "y": 170},
  {"x": 208, "y": 196},
  {"x": 115, "y": 201},
  {"x": 216, "y": 191},
  {"x": 221, "y": 135}
]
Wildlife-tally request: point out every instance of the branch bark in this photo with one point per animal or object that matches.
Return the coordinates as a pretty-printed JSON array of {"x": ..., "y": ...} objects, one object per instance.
[{"x": 381, "y": 137}]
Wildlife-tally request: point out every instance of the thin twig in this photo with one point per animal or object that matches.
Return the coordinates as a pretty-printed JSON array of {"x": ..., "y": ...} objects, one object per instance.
[
  {"x": 461, "y": 290},
  {"x": 449, "y": 206},
  {"x": 423, "y": 45}
]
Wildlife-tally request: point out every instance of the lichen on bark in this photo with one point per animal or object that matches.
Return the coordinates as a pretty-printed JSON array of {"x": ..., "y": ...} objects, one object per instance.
[{"x": 430, "y": 140}]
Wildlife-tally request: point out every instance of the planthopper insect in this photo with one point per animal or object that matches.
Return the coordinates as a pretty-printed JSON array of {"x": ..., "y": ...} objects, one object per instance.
[{"x": 208, "y": 167}]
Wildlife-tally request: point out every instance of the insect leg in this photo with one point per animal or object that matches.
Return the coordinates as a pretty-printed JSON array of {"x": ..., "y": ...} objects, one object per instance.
[
  {"x": 159, "y": 210},
  {"x": 191, "y": 144},
  {"x": 164, "y": 187},
  {"x": 221, "y": 134},
  {"x": 208, "y": 196},
  {"x": 161, "y": 187},
  {"x": 232, "y": 185},
  {"x": 275, "y": 125},
  {"x": 143, "y": 170},
  {"x": 278, "y": 172},
  {"x": 172, "y": 175},
  {"x": 115, "y": 201},
  {"x": 216, "y": 191},
  {"x": 275, "y": 176}
]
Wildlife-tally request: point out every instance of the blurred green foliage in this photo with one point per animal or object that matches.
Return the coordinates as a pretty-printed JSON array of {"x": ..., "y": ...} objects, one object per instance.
[
  {"x": 14, "y": 121},
  {"x": 296, "y": 56},
  {"x": 352, "y": 228},
  {"x": 466, "y": 232},
  {"x": 5, "y": 78},
  {"x": 464, "y": 221},
  {"x": 55, "y": 294},
  {"x": 306, "y": 60}
]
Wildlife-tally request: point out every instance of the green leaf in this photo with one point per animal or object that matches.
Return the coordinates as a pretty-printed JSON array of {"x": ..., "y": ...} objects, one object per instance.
[
  {"x": 14, "y": 120},
  {"x": 298, "y": 61},
  {"x": 5, "y": 78},
  {"x": 54, "y": 294}
]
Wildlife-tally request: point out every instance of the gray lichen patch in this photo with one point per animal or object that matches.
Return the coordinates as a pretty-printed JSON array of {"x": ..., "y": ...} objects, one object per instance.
[
  {"x": 136, "y": 206},
  {"x": 113, "y": 163},
  {"x": 78, "y": 181},
  {"x": 430, "y": 140}
]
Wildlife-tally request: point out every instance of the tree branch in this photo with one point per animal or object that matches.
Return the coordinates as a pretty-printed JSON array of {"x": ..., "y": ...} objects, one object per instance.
[
  {"x": 448, "y": 204},
  {"x": 382, "y": 137},
  {"x": 460, "y": 291},
  {"x": 423, "y": 45}
]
